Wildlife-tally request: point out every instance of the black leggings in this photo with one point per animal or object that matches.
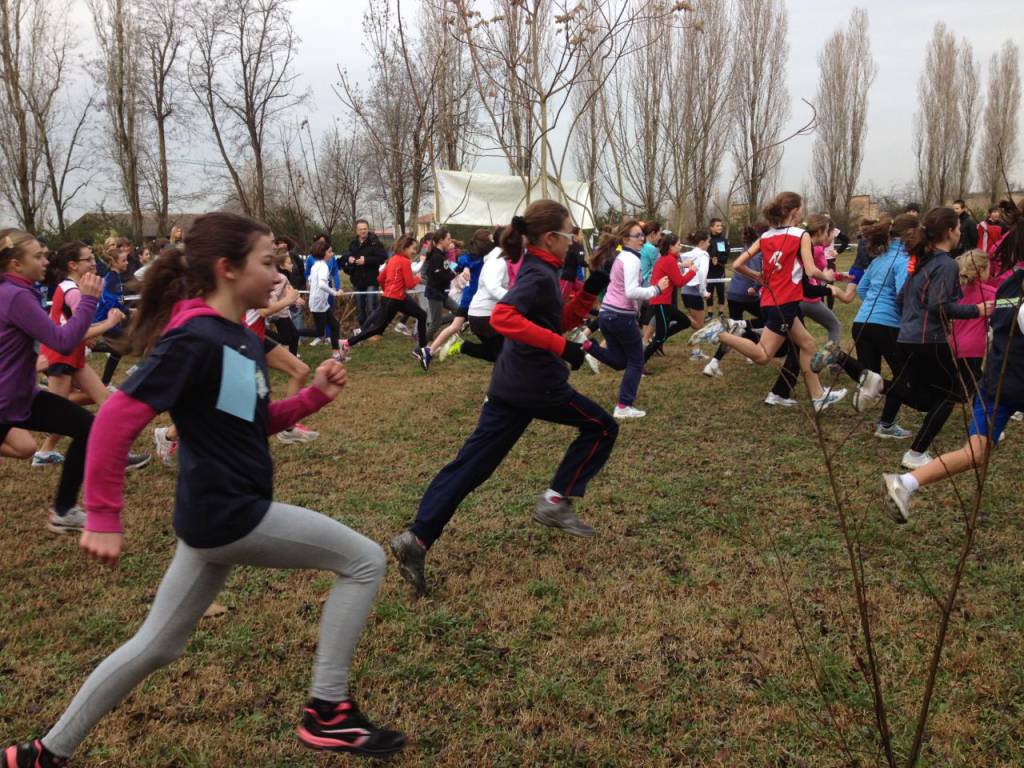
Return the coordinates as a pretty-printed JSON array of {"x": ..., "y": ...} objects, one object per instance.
[
  {"x": 104, "y": 344},
  {"x": 324, "y": 320},
  {"x": 283, "y": 331},
  {"x": 668, "y": 321},
  {"x": 490, "y": 340},
  {"x": 381, "y": 319},
  {"x": 52, "y": 413},
  {"x": 736, "y": 310}
]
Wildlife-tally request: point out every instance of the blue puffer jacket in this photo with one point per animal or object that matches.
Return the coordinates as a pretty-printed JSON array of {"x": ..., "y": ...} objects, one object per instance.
[{"x": 880, "y": 287}]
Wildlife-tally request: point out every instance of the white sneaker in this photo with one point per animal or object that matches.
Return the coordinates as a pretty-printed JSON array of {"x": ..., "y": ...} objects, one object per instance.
[
  {"x": 403, "y": 329},
  {"x": 71, "y": 522},
  {"x": 595, "y": 366},
  {"x": 914, "y": 460},
  {"x": 892, "y": 432},
  {"x": 735, "y": 327},
  {"x": 315, "y": 342},
  {"x": 830, "y": 398},
  {"x": 697, "y": 354},
  {"x": 897, "y": 498},
  {"x": 785, "y": 402},
  {"x": 869, "y": 389},
  {"x": 628, "y": 412},
  {"x": 713, "y": 369},
  {"x": 166, "y": 449},
  {"x": 1018, "y": 416},
  {"x": 289, "y": 436},
  {"x": 706, "y": 333}
]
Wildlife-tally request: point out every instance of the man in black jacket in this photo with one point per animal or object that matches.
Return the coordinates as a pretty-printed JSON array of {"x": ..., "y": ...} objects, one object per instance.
[
  {"x": 362, "y": 262},
  {"x": 968, "y": 229}
]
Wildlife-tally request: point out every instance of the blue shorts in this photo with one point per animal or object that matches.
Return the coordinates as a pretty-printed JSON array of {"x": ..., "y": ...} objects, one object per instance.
[
  {"x": 779, "y": 319},
  {"x": 986, "y": 412}
]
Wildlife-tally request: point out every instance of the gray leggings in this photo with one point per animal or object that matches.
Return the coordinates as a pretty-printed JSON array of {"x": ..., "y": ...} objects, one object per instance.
[
  {"x": 819, "y": 312},
  {"x": 288, "y": 537}
]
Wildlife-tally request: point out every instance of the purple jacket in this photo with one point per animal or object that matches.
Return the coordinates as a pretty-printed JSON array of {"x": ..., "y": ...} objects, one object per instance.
[{"x": 22, "y": 323}]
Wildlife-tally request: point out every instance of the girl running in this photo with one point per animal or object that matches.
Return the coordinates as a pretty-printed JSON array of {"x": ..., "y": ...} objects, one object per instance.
[
  {"x": 209, "y": 371},
  {"x": 618, "y": 316},
  {"x": 495, "y": 277},
  {"x": 448, "y": 341},
  {"x": 530, "y": 381},
  {"x": 112, "y": 298},
  {"x": 396, "y": 279},
  {"x": 929, "y": 381},
  {"x": 695, "y": 292},
  {"x": 969, "y": 338},
  {"x": 742, "y": 297},
  {"x": 668, "y": 319},
  {"x": 320, "y": 294},
  {"x": 787, "y": 256},
  {"x": 1000, "y": 395},
  {"x": 71, "y": 263},
  {"x": 23, "y": 322}
]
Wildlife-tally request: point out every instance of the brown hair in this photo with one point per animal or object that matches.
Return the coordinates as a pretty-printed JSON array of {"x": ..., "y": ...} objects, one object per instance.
[
  {"x": 698, "y": 236},
  {"x": 904, "y": 225},
  {"x": 402, "y": 243},
  {"x": 13, "y": 244},
  {"x": 778, "y": 211},
  {"x": 651, "y": 227},
  {"x": 480, "y": 244},
  {"x": 752, "y": 232},
  {"x": 190, "y": 273},
  {"x": 539, "y": 218},
  {"x": 320, "y": 249},
  {"x": 608, "y": 244},
  {"x": 818, "y": 222},
  {"x": 666, "y": 242},
  {"x": 111, "y": 246},
  {"x": 878, "y": 236},
  {"x": 933, "y": 228},
  {"x": 57, "y": 269}
]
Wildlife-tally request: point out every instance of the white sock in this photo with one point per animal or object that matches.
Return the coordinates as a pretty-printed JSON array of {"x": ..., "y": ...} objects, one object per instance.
[
  {"x": 551, "y": 496},
  {"x": 909, "y": 481}
]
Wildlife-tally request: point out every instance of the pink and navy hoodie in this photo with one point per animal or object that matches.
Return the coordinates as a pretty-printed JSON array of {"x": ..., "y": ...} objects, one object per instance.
[
  {"x": 22, "y": 323},
  {"x": 210, "y": 373}
]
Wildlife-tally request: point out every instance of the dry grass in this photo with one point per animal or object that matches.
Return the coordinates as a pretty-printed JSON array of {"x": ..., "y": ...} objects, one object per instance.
[{"x": 666, "y": 641}]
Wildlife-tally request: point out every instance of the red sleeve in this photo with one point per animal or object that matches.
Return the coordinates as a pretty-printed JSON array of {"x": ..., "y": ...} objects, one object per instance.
[
  {"x": 285, "y": 414},
  {"x": 512, "y": 324},
  {"x": 685, "y": 277},
  {"x": 576, "y": 311},
  {"x": 119, "y": 421}
]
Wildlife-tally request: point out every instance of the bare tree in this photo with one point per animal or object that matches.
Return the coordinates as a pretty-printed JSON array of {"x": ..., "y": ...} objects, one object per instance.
[
  {"x": 335, "y": 174},
  {"x": 946, "y": 120},
  {"x": 762, "y": 99},
  {"x": 29, "y": 79},
  {"x": 162, "y": 37},
  {"x": 242, "y": 75},
  {"x": 119, "y": 78},
  {"x": 999, "y": 147},
  {"x": 846, "y": 71}
]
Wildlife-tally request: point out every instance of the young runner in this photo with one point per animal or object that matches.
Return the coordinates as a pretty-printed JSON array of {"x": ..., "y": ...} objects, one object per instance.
[
  {"x": 530, "y": 381},
  {"x": 668, "y": 319},
  {"x": 209, "y": 371}
]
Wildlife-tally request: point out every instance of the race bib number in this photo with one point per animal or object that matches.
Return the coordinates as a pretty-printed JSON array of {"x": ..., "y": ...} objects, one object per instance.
[{"x": 238, "y": 385}]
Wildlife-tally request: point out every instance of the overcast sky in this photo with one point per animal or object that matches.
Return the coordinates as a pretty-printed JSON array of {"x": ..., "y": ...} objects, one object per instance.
[{"x": 900, "y": 29}]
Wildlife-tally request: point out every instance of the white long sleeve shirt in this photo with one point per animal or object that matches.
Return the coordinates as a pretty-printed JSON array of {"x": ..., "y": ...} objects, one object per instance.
[
  {"x": 492, "y": 287},
  {"x": 698, "y": 286},
  {"x": 320, "y": 288}
]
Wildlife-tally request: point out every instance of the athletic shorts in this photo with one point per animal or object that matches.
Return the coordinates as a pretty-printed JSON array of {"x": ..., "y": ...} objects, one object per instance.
[
  {"x": 693, "y": 301},
  {"x": 60, "y": 369},
  {"x": 268, "y": 345},
  {"x": 779, "y": 318},
  {"x": 986, "y": 413},
  {"x": 646, "y": 313},
  {"x": 462, "y": 312}
]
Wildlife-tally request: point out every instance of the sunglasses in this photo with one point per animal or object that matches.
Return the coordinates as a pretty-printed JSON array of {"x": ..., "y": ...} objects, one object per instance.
[{"x": 566, "y": 235}]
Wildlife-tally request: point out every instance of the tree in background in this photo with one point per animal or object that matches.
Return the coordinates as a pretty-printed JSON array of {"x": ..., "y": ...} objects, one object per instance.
[
  {"x": 846, "y": 70},
  {"x": 999, "y": 148}
]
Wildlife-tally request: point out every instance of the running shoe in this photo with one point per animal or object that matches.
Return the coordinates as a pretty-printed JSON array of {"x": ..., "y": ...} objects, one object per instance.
[
  {"x": 72, "y": 521},
  {"x": 897, "y": 498},
  {"x": 595, "y": 366},
  {"x": 697, "y": 354},
  {"x": 785, "y": 402},
  {"x": 705, "y": 334},
  {"x": 403, "y": 329},
  {"x": 455, "y": 342},
  {"x": 166, "y": 449},
  {"x": 628, "y": 412},
  {"x": 892, "y": 431},
  {"x": 713, "y": 369},
  {"x": 913, "y": 460},
  {"x": 735, "y": 327},
  {"x": 1018, "y": 416},
  {"x": 31, "y": 754},
  {"x": 425, "y": 357},
  {"x": 826, "y": 356},
  {"x": 293, "y": 435},
  {"x": 316, "y": 341},
  {"x": 559, "y": 514},
  {"x": 311, "y": 434},
  {"x": 827, "y": 400},
  {"x": 345, "y": 729},
  {"x": 137, "y": 461},
  {"x": 410, "y": 555},
  {"x": 869, "y": 389},
  {"x": 46, "y": 458}
]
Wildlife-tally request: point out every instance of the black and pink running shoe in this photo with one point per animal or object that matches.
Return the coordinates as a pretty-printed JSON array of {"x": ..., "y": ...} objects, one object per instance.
[
  {"x": 31, "y": 754},
  {"x": 341, "y": 727}
]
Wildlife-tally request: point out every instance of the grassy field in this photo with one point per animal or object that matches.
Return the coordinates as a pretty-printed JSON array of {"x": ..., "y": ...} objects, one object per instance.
[{"x": 690, "y": 632}]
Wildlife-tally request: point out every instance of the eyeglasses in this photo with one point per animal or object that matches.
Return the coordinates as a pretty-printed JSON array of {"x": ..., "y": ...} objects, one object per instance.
[
  {"x": 635, "y": 236},
  {"x": 566, "y": 235}
]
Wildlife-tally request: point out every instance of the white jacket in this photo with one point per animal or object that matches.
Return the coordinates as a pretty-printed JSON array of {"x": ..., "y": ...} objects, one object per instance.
[
  {"x": 320, "y": 287},
  {"x": 492, "y": 286},
  {"x": 701, "y": 262}
]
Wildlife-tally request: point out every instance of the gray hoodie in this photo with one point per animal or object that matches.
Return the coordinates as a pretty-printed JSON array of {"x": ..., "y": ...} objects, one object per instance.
[{"x": 929, "y": 299}]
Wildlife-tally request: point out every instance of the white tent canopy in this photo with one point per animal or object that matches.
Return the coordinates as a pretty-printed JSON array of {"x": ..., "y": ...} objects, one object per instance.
[{"x": 490, "y": 199}]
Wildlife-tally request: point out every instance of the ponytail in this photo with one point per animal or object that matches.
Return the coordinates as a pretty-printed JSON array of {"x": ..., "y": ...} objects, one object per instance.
[
  {"x": 609, "y": 244},
  {"x": 932, "y": 229},
  {"x": 539, "y": 218}
]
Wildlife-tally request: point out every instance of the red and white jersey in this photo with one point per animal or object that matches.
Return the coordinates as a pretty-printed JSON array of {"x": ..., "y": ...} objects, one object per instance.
[
  {"x": 65, "y": 301},
  {"x": 256, "y": 323},
  {"x": 782, "y": 269}
]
